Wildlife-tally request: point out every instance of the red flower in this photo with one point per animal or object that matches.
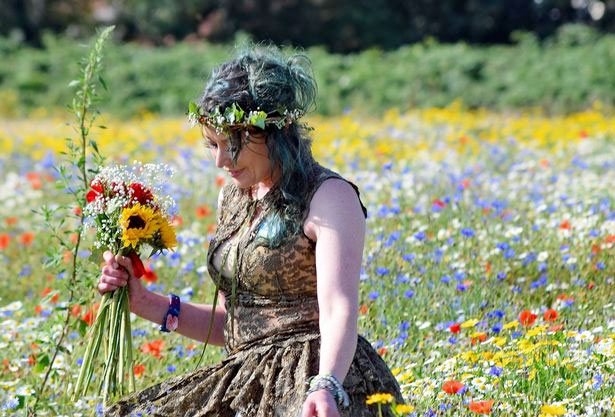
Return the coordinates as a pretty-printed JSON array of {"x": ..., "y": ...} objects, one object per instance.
[
  {"x": 550, "y": 315},
  {"x": 203, "y": 211},
  {"x": 452, "y": 387},
  {"x": 455, "y": 328},
  {"x": 565, "y": 225},
  {"x": 26, "y": 238},
  {"x": 5, "y": 239},
  {"x": 154, "y": 348},
  {"x": 527, "y": 318},
  {"x": 138, "y": 370},
  {"x": 149, "y": 275},
  {"x": 439, "y": 203},
  {"x": 140, "y": 193},
  {"x": 96, "y": 190},
  {"x": 481, "y": 407},
  {"x": 90, "y": 315}
]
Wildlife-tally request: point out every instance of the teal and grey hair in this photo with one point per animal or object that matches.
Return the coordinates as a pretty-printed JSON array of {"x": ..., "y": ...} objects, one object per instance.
[{"x": 263, "y": 78}]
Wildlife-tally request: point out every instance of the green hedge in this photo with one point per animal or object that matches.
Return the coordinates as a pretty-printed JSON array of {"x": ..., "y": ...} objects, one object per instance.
[{"x": 565, "y": 73}]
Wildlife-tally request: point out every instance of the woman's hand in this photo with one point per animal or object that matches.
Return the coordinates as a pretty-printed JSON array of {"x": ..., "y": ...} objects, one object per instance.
[
  {"x": 320, "y": 404},
  {"x": 116, "y": 273}
]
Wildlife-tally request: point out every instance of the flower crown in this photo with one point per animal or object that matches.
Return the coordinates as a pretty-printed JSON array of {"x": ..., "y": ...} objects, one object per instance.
[{"x": 235, "y": 116}]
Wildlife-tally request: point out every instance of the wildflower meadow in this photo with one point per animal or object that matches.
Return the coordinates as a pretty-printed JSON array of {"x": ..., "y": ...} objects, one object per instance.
[{"x": 488, "y": 274}]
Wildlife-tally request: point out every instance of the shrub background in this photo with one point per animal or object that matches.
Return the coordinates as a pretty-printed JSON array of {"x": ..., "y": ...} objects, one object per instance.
[{"x": 564, "y": 73}]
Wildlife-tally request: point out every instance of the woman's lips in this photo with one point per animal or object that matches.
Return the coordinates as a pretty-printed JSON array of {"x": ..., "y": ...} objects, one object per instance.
[{"x": 235, "y": 173}]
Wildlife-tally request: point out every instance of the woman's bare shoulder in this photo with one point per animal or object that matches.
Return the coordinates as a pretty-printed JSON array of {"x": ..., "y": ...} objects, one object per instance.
[{"x": 334, "y": 203}]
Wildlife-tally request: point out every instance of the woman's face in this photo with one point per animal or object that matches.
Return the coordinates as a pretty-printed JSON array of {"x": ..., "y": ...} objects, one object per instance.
[{"x": 253, "y": 165}]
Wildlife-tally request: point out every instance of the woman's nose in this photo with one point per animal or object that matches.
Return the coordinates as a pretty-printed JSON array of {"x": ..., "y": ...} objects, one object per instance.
[{"x": 222, "y": 157}]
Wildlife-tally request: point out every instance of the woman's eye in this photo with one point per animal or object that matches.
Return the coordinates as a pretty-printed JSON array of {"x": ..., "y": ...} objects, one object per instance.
[{"x": 210, "y": 145}]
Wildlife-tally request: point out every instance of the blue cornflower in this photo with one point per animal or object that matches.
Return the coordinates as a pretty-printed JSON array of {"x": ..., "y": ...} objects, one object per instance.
[
  {"x": 25, "y": 271},
  {"x": 99, "y": 409},
  {"x": 10, "y": 404},
  {"x": 467, "y": 232},
  {"x": 373, "y": 295},
  {"x": 461, "y": 287},
  {"x": 516, "y": 334},
  {"x": 510, "y": 253},
  {"x": 171, "y": 368},
  {"x": 495, "y": 314},
  {"x": 502, "y": 246},
  {"x": 408, "y": 293},
  {"x": 381, "y": 270},
  {"x": 495, "y": 371},
  {"x": 501, "y": 275},
  {"x": 497, "y": 328},
  {"x": 420, "y": 236},
  {"x": 408, "y": 257},
  {"x": 445, "y": 279},
  {"x": 452, "y": 340},
  {"x": 600, "y": 266},
  {"x": 404, "y": 325}
]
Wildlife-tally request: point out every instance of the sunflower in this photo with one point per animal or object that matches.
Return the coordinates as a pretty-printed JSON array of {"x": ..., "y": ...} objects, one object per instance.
[
  {"x": 167, "y": 234},
  {"x": 138, "y": 223}
]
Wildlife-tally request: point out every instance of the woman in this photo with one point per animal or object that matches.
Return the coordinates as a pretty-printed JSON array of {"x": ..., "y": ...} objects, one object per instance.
[{"x": 285, "y": 260}]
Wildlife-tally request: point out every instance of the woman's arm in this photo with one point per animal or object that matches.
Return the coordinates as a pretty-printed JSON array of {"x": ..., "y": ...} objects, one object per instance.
[
  {"x": 193, "y": 319},
  {"x": 337, "y": 222}
]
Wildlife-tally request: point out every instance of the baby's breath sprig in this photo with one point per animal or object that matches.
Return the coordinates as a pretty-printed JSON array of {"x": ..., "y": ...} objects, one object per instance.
[{"x": 235, "y": 116}]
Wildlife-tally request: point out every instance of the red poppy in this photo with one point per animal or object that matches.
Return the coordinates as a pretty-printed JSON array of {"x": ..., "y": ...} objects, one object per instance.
[
  {"x": 481, "y": 407},
  {"x": 11, "y": 221},
  {"x": 550, "y": 315},
  {"x": 203, "y": 211},
  {"x": 77, "y": 211},
  {"x": 149, "y": 275},
  {"x": 439, "y": 203},
  {"x": 220, "y": 181},
  {"x": 481, "y": 337},
  {"x": 26, "y": 238},
  {"x": 527, "y": 318},
  {"x": 556, "y": 328},
  {"x": 465, "y": 183},
  {"x": 452, "y": 387},
  {"x": 140, "y": 193},
  {"x": 35, "y": 180},
  {"x": 138, "y": 370},
  {"x": 46, "y": 291},
  {"x": 363, "y": 309},
  {"x": 382, "y": 351},
  {"x": 76, "y": 310},
  {"x": 154, "y": 348},
  {"x": 610, "y": 239},
  {"x": 455, "y": 328},
  {"x": 4, "y": 240},
  {"x": 38, "y": 309},
  {"x": 90, "y": 315},
  {"x": 565, "y": 225}
]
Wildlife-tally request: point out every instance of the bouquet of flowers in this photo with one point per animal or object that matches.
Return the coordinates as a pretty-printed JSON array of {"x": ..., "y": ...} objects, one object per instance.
[{"x": 131, "y": 213}]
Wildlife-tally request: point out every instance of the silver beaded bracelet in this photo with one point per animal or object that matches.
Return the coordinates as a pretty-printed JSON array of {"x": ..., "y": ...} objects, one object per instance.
[{"x": 330, "y": 383}]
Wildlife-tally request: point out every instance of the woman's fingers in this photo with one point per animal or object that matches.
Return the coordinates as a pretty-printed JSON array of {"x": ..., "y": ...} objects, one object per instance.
[
  {"x": 126, "y": 263},
  {"x": 110, "y": 259},
  {"x": 114, "y": 272}
]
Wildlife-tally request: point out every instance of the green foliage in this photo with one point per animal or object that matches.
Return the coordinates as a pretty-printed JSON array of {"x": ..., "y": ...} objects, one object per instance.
[{"x": 564, "y": 73}]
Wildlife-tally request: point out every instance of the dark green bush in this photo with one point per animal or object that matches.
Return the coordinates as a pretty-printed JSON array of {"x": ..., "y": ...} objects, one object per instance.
[{"x": 565, "y": 73}]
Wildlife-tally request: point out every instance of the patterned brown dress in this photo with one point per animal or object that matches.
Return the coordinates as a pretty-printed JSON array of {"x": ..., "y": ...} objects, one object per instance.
[{"x": 275, "y": 345}]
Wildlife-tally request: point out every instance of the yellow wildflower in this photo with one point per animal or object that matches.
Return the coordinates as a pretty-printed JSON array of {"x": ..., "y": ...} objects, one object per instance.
[
  {"x": 469, "y": 323},
  {"x": 379, "y": 398},
  {"x": 403, "y": 408},
  {"x": 511, "y": 325},
  {"x": 553, "y": 410}
]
